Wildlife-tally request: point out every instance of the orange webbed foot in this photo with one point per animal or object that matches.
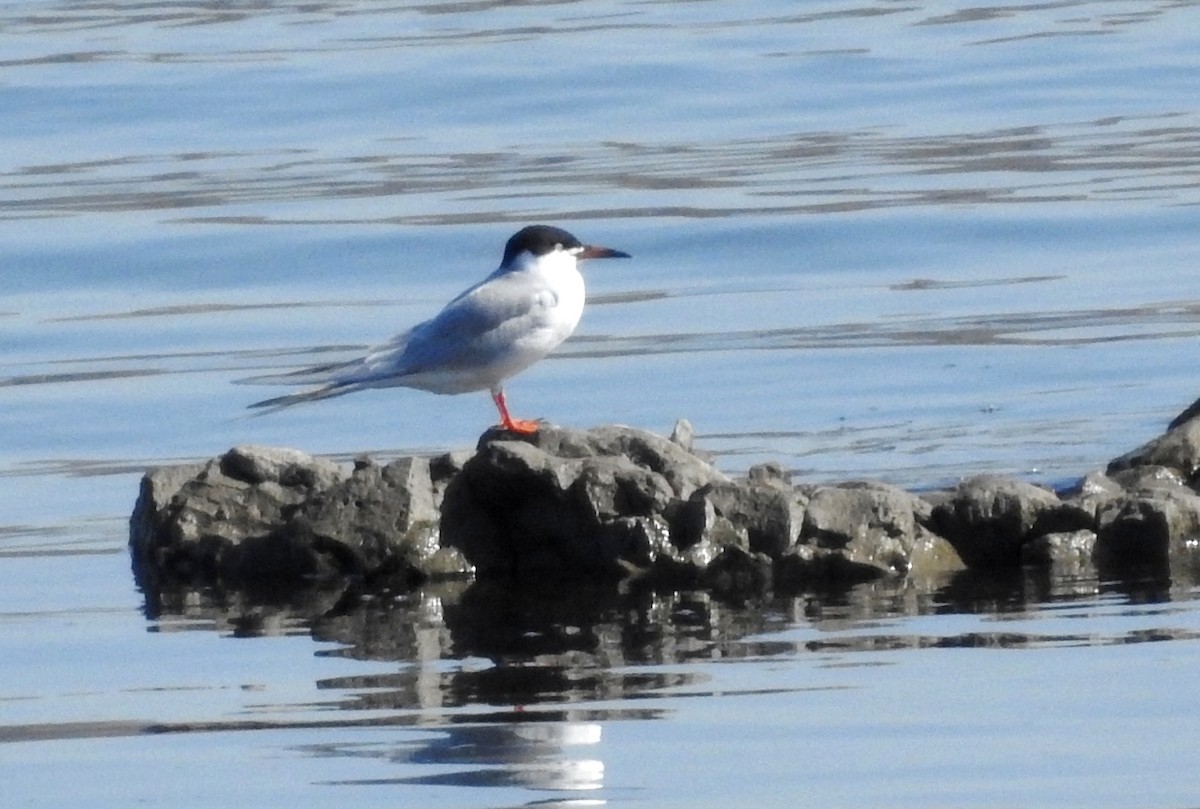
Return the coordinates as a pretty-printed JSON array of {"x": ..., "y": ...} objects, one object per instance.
[
  {"x": 507, "y": 422},
  {"x": 521, "y": 426}
]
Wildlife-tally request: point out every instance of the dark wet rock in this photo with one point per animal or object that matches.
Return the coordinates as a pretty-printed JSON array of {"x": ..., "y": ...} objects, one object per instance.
[
  {"x": 1189, "y": 413},
  {"x": 739, "y": 572},
  {"x": 989, "y": 518},
  {"x": 1177, "y": 449},
  {"x": 684, "y": 567},
  {"x": 1150, "y": 525},
  {"x": 696, "y": 521},
  {"x": 807, "y": 565}
]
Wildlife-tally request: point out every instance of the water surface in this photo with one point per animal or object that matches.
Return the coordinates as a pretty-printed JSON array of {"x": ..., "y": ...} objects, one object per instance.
[{"x": 900, "y": 241}]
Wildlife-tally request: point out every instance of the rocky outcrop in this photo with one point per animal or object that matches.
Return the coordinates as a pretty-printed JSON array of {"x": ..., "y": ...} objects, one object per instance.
[
  {"x": 265, "y": 517},
  {"x": 623, "y": 503}
]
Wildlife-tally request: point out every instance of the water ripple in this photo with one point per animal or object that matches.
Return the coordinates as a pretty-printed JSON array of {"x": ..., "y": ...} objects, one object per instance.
[{"x": 1154, "y": 158}]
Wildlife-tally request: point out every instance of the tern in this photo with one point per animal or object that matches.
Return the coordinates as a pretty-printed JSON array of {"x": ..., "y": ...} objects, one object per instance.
[{"x": 495, "y": 329}]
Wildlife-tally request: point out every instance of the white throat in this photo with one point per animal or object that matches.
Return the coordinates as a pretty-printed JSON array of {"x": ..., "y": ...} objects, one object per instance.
[{"x": 558, "y": 273}]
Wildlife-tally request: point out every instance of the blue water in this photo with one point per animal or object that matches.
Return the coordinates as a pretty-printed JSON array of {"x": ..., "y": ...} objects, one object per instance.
[{"x": 906, "y": 242}]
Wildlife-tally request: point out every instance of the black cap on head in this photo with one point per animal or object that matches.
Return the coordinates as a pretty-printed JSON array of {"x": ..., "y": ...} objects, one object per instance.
[{"x": 538, "y": 240}]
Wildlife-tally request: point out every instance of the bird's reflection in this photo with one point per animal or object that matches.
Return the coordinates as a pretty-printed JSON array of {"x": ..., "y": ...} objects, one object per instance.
[{"x": 541, "y": 755}]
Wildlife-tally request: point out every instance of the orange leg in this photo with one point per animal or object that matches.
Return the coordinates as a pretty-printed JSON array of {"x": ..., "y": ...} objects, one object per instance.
[{"x": 523, "y": 426}]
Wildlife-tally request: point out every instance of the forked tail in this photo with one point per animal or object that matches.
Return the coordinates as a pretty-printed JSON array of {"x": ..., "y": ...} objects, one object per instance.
[{"x": 278, "y": 403}]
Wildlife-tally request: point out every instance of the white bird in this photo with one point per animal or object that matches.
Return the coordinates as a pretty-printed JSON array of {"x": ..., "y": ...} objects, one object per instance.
[{"x": 497, "y": 328}]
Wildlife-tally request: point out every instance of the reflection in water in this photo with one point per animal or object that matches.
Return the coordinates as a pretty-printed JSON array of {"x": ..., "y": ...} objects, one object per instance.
[
  {"x": 536, "y": 754},
  {"x": 523, "y": 648}
]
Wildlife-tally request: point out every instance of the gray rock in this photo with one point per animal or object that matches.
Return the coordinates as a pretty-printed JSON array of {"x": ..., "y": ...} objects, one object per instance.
[
  {"x": 1066, "y": 551},
  {"x": 683, "y": 435},
  {"x": 223, "y": 522},
  {"x": 1092, "y": 491},
  {"x": 158, "y": 487},
  {"x": 764, "y": 517},
  {"x": 932, "y": 557},
  {"x": 873, "y": 527},
  {"x": 770, "y": 473},
  {"x": 989, "y": 518},
  {"x": 258, "y": 516},
  {"x": 567, "y": 502},
  {"x": 1146, "y": 478},
  {"x": 287, "y": 467},
  {"x": 384, "y": 518}
]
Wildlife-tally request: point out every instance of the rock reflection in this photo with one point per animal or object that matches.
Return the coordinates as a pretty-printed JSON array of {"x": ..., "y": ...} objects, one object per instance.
[
  {"x": 532, "y": 649},
  {"x": 498, "y": 685},
  {"x": 526, "y": 648}
]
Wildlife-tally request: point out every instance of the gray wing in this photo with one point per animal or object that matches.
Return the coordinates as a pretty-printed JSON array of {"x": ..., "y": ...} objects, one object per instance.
[{"x": 475, "y": 328}]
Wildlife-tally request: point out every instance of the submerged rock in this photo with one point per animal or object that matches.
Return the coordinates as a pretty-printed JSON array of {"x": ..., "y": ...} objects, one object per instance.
[{"x": 618, "y": 502}]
